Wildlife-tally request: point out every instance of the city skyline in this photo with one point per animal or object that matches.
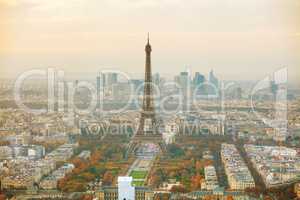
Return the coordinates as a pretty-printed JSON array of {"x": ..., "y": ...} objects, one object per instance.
[{"x": 94, "y": 108}]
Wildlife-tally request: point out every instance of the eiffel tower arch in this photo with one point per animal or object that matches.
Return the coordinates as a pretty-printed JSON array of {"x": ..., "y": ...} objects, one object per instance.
[{"x": 147, "y": 131}]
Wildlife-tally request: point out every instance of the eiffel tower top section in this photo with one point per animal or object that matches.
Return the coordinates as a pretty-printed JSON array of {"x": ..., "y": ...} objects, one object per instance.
[
  {"x": 148, "y": 105},
  {"x": 148, "y": 46}
]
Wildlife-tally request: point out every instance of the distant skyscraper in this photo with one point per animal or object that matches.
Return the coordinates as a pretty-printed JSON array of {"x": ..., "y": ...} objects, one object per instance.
[
  {"x": 213, "y": 79},
  {"x": 98, "y": 86},
  {"x": 274, "y": 88},
  {"x": 156, "y": 79},
  {"x": 98, "y": 82},
  {"x": 199, "y": 79},
  {"x": 104, "y": 80},
  {"x": 184, "y": 80},
  {"x": 121, "y": 91},
  {"x": 136, "y": 85},
  {"x": 199, "y": 83},
  {"x": 111, "y": 78}
]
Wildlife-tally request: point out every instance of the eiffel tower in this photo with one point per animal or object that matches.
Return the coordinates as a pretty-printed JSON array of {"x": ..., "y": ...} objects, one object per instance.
[{"x": 147, "y": 131}]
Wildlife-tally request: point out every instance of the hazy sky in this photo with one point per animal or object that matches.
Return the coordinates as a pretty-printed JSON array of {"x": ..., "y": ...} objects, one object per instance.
[{"x": 239, "y": 39}]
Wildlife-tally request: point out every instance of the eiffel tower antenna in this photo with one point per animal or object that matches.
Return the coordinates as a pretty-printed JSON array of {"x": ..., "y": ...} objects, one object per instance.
[{"x": 148, "y": 40}]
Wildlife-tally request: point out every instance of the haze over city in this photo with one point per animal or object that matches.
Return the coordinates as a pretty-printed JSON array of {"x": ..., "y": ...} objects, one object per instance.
[
  {"x": 240, "y": 40},
  {"x": 149, "y": 100}
]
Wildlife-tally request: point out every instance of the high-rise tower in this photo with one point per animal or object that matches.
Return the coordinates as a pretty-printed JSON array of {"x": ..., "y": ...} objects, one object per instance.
[
  {"x": 148, "y": 128},
  {"x": 148, "y": 125}
]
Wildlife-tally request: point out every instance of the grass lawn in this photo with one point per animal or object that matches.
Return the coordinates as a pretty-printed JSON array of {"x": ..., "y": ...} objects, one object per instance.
[
  {"x": 138, "y": 183},
  {"x": 138, "y": 174}
]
